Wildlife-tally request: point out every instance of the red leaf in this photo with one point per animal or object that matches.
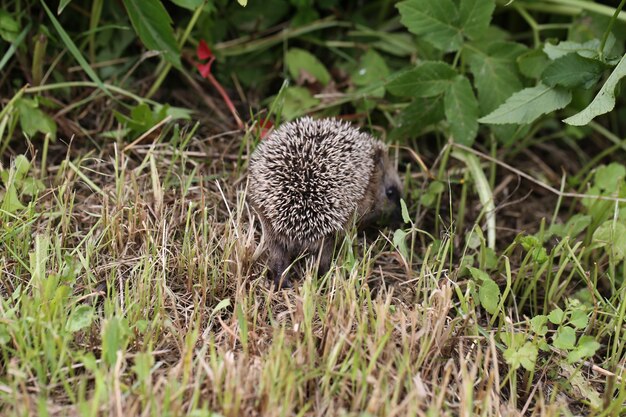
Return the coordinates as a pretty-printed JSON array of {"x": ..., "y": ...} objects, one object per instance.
[
  {"x": 265, "y": 126},
  {"x": 205, "y": 69},
  {"x": 203, "y": 51}
]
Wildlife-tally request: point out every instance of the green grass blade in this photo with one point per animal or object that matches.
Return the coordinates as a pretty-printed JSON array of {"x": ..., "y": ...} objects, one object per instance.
[
  {"x": 71, "y": 46},
  {"x": 9, "y": 53}
]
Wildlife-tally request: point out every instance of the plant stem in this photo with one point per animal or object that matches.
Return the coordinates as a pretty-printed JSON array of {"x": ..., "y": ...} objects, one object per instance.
[
  {"x": 94, "y": 20},
  {"x": 531, "y": 22},
  {"x": 605, "y": 36},
  {"x": 44, "y": 155},
  {"x": 71, "y": 84}
]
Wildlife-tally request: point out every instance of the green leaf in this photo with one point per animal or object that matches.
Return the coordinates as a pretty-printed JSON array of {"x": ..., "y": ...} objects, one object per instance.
[
  {"x": 421, "y": 113},
  {"x": 525, "y": 356},
  {"x": 429, "y": 79},
  {"x": 489, "y": 296},
  {"x": 434, "y": 21},
  {"x": 297, "y": 101},
  {"x": 495, "y": 73},
  {"x": 372, "y": 69},
  {"x": 398, "y": 44},
  {"x": 405, "y": 212},
  {"x": 188, "y": 4},
  {"x": 573, "y": 70},
  {"x": 435, "y": 188},
  {"x": 532, "y": 63},
  {"x": 604, "y": 101},
  {"x": 586, "y": 348},
  {"x": 33, "y": 120},
  {"x": 9, "y": 27},
  {"x": 528, "y": 104},
  {"x": 244, "y": 3},
  {"x": 556, "y": 316},
  {"x": 80, "y": 318},
  {"x": 535, "y": 248},
  {"x": 461, "y": 109},
  {"x": 588, "y": 49},
  {"x": 479, "y": 274},
  {"x": 5, "y": 336},
  {"x": 488, "y": 292},
  {"x": 579, "y": 319},
  {"x": 574, "y": 226},
  {"x": 301, "y": 63},
  {"x": 610, "y": 177},
  {"x": 22, "y": 166},
  {"x": 475, "y": 16},
  {"x": 565, "y": 338},
  {"x": 10, "y": 200},
  {"x": 153, "y": 25},
  {"x": 38, "y": 260},
  {"x": 612, "y": 235},
  {"x": 223, "y": 304},
  {"x": 399, "y": 241},
  {"x": 512, "y": 340},
  {"x": 32, "y": 186},
  {"x": 71, "y": 46},
  {"x": 62, "y": 5},
  {"x": 538, "y": 324},
  {"x": 114, "y": 336},
  {"x": 143, "y": 365}
]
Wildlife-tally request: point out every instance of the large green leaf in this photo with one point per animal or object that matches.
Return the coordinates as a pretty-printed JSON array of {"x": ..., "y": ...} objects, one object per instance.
[
  {"x": 372, "y": 69},
  {"x": 302, "y": 63},
  {"x": 429, "y": 79},
  {"x": 573, "y": 70},
  {"x": 421, "y": 113},
  {"x": 434, "y": 21},
  {"x": 612, "y": 235},
  {"x": 528, "y": 104},
  {"x": 604, "y": 101},
  {"x": 153, "y": 25},
  {"x": 188, "y": 4},
  {"x": 33, "y": 120},
  {"x": 475, "y": 16},
  {"x": 532, "y": 63},
  {"x": 495, "y": 73},
  {"x": 588, "y": 49},
  {"x": 461, "y": 109}
]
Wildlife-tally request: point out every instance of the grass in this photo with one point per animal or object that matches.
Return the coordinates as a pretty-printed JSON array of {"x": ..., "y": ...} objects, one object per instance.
[
  {"x": 130, "y": 287},
  {"x": 132, "y": 279}
]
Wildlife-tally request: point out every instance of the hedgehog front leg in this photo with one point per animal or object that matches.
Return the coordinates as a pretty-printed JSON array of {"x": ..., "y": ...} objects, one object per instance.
[
  {"x": 325, "y": 256},
  {"x": 278, "y": 261}
]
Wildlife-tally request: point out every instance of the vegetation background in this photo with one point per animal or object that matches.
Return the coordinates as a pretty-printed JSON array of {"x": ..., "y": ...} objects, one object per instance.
[{"x": 129, "y": 283}]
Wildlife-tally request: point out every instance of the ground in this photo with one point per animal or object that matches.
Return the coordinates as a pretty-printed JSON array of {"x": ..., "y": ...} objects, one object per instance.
[{"x": 130, "y": 286}]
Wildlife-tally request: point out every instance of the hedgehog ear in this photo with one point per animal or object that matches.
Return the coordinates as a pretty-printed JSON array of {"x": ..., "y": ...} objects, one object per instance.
[{"x": 379, "y": 156}]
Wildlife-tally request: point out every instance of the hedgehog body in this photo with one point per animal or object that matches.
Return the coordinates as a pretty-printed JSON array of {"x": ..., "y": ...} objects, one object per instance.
[{"x": 309, "y": 179}]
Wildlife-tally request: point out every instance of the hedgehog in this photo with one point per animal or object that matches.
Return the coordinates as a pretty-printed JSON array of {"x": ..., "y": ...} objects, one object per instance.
[{"x": 311, "y": 179}]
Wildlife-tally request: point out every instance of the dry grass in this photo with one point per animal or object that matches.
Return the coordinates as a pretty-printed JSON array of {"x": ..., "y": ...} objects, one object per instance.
[{"x": 160, "y": 241}]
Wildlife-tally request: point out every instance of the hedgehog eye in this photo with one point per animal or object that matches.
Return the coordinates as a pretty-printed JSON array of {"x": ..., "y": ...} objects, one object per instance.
[{"x": 392, "y": 193}]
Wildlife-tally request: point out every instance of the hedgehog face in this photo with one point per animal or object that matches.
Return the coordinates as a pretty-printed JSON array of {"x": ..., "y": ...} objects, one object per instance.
[
  {"x": 382, "y": 202},
  {"x": 389, "y": 192}
]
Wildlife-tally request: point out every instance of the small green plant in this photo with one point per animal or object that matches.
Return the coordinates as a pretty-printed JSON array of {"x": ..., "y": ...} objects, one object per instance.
[{"x": 17, "y": 184}]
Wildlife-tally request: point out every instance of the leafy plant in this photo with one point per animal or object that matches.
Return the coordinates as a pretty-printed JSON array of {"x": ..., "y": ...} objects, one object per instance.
[
  {"x": 17, "y": 183},
  {"x": 499, "y": 70}
]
